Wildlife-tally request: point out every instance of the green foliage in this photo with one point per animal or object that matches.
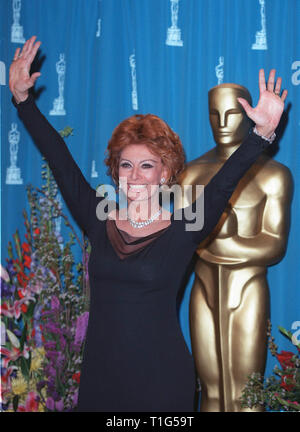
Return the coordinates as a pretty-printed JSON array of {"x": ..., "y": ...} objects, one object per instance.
[{"x": 281, "y": 391}]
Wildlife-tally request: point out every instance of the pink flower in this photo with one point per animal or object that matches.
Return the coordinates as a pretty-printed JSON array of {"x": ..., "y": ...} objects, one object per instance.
[
  {"x": 32, "y": 402},
  {"x": 13, "y": 355},
  {"x": 15, "y": 310},
  {"x": 6, "y": 382}
]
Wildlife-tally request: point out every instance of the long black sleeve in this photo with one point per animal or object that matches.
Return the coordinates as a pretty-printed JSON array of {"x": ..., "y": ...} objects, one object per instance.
[
  {"x": 220, "y": 188},
  {"x": 79, "y": 196}
]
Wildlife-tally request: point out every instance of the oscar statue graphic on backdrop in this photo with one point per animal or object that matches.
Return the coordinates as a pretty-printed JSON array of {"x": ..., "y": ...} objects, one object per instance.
[
  {"x": 174, "y": 33},
  {"x": 58, "y": 104},
  {"x": 2, "y": 73},
  {"x": 16, "y": 28},
  {"x": 134, "y": 96},
  {"x": 229, "y": 303},
  {"x": 98, "y": 31},
  {"x": 261, "y": 35},
  {"x": 94, "y": 172},
  {"x": 220, "y": 70},
  {"x": 13, "y": 173}
]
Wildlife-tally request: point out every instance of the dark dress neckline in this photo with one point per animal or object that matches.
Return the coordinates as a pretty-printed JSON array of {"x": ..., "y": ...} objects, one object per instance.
[{"x": 125, "y": 244}]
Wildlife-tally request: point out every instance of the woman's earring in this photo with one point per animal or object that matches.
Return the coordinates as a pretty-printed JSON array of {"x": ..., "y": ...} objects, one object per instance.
[{"x": 162, "y": 181}]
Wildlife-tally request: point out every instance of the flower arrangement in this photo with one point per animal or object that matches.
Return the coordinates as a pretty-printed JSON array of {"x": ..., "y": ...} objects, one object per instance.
[
  {"x": 281, "y": 391},
  {"x": 44, "y": 308}
]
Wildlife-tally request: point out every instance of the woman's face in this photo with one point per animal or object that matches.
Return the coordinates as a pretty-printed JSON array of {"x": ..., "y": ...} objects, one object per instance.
[{"x": 140, "y": 172}]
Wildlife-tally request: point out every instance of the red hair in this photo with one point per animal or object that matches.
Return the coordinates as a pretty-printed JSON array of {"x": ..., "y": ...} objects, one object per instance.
[{"x": 156, "y": 134}]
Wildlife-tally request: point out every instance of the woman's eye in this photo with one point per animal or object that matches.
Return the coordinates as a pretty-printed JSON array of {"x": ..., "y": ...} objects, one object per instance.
[
  {"x": 147, "y": 165},
  {"x": 125, "y": 165}
]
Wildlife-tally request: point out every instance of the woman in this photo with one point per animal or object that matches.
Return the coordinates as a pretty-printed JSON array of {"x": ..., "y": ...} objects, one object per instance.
[{"x": 135, "y": 356}]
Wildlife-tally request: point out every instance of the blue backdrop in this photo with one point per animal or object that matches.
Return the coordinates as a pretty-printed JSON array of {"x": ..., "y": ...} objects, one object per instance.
[{"x": 104, "y": 60}]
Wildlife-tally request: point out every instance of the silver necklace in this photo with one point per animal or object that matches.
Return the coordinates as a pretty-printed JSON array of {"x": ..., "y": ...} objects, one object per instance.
[{"x": 135, "y": 224}]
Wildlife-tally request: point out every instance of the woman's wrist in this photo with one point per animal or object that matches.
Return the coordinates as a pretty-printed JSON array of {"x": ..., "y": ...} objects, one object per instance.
[
  {"x": 266, "y": 135},
  {"x": 20, "y": 97},
  {"x": 264, "y": 131}
]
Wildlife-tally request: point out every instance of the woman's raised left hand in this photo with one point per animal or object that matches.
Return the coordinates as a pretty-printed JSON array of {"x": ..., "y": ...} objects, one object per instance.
[{"x": 266, "y": 115}]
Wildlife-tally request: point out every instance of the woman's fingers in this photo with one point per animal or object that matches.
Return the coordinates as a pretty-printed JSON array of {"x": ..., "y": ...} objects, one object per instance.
[
  {"x": 30, "y": 45},
  {"x": 271, "y": 83},
  {"x": 28, "y": 51},
  {"x": 245, "y": 105},
  {"x": 17, "y": 52},
  {"x": 278, "y": 86},
  {"x": 27, "y": 45},
  {"x": 284, "y": 95},
  {"x": 34, "y": 77},
  {"x": 33, "y": 51},
  {"x": 271, "y": 80},
  {"x": 261, "y": 81},
  {"x": 24, "y": 49},
  {"x": 278, "y": 90},
  {"x": 19, "y": 79}
]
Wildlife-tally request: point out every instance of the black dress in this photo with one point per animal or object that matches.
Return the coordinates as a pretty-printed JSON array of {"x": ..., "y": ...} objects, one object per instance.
[{"x": 135, "y": 355}]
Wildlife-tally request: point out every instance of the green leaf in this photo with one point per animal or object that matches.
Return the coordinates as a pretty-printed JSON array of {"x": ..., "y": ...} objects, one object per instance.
[
  {"x": 16, "y": 402},
  {"x": 10, "y": 250},
  {"x": 16, "y": 238},
  {"x": 30, "y": 310},
  {"x": 23, "y": 337},
  {"x": 285, "y": 332},
  {"x": 25, "y": 367},
  {"x": 66, "y": 131}
]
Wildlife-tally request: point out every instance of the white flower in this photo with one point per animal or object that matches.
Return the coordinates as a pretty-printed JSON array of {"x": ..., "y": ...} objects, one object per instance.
[
  {"x": 3, "y": 273},
  {"x": 14, "y": 340}
]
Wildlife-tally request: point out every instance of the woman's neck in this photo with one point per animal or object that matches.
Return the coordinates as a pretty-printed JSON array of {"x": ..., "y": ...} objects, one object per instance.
[{"x": 143, "y": 210}]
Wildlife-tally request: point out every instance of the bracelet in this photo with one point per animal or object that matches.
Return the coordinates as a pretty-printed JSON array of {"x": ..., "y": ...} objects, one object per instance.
[{"x": 270, "y": 140}]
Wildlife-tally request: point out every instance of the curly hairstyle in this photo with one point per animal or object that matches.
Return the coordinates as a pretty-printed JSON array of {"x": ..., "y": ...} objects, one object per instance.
[{"x": 156, "y": 134}]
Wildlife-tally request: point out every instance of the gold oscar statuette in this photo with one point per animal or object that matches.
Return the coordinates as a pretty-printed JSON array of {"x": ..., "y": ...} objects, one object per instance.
[{"x": 229, "y": 304}]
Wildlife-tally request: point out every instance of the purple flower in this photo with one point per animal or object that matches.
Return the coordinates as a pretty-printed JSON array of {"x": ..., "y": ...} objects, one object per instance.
[
  {"x": 51, "y": 373},
  {"x": 75, "y": 397},
  {"x": 86, "y": 267},
  {"x": 17, "y": 332},
  {"x": 40, "y": 385},
  {"x": 3, "y": 406},
  {"x": 37, "y": 312},
  {"x": 59, "y": 405},
  {"x": 10, "y": 267},
  {"x": 56, "y": 396},
  {"x": 50, "y": 326},
  {"x": 52, "y": 355},
  {"x": 50, "y": 403},
  {"x": 55, "y": 304},
  {"x": 38, "y": 336},
  {"x": 75, "y": 347},
  {"x": 7, "y": 289},
  {"x": 81, "y": 326},
  {"x": 63, "y": 342},
  {"x": 60, "y": 360},
  {"x": 50, "y": 345}
]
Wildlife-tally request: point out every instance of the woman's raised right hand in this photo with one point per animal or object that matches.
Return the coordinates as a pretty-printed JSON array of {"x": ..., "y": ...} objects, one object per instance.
[{"x": 20, "y": 80}]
